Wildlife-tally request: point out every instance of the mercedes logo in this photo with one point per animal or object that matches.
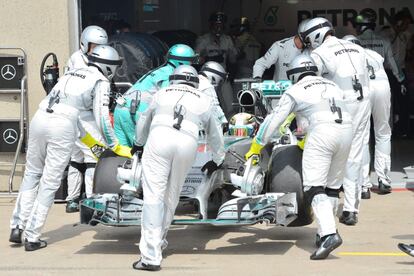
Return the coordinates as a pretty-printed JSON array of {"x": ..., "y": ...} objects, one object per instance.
[
  {"x": 8, "y": 72},
  {"x": 10, "y": 136}
]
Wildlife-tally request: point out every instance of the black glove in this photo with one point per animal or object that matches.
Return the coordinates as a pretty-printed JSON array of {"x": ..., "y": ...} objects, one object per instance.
[
  {"x": 139, "y": 149},
  {"x": 210, "y": 166},
  {"x": 258, "y": 79}
]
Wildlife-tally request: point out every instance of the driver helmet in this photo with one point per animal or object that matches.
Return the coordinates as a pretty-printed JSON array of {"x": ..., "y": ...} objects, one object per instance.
[
  {"x": 243, "y": 125},
  {"x": 181, "y": 54}
]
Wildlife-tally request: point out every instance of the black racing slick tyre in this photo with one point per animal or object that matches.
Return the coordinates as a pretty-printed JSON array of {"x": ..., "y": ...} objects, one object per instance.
[
  {"x": 104, "y": 179},
  {"x": 285, "y": 175}
]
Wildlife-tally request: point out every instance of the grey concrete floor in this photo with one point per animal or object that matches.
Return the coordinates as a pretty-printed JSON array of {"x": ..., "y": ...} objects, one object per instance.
[{"x": 369, "y": 248}]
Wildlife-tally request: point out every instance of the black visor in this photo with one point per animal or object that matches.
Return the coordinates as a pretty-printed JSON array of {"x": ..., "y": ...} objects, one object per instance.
[
  {"x": 221, "y": 74},
  {"x": 301, "y": 70},
  {"x": 186, "y": 78},
  {"x": 105, "y": 61},
  {"x": 314, "y": 28}
]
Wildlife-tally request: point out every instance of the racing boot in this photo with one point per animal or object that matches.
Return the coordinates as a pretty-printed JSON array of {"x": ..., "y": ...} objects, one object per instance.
[
  {"x": 72, "y": 206},
  {"x": 33, "y": 246},
  {"x": 383, "y": 187},
  {"x": 16, "y": 235},
  {"x": 139, "y": 265},
  {"x": 328, "y": 244},
  {"x": 348, "y": 218},
  {"x": 366, "y": 193},
  {"x": 409, "y": 249}
]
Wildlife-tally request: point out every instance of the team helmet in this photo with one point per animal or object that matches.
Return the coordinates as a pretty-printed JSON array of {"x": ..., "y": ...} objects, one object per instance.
[
  {"x": 92, "y": 34},
  {"x": 301, "y": 66},
  {"x": 181, "y": 54},
  {"x": 184, "y": 74},
  {"x": 315, "y": 30},
  {"x": 106, "y": 59},
  {"x": 214, "y": 71},
  {"x": 301, "y": 27}
]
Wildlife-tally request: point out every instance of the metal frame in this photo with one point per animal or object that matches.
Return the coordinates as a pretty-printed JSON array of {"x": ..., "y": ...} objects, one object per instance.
[{"x": 23, "y": 119}]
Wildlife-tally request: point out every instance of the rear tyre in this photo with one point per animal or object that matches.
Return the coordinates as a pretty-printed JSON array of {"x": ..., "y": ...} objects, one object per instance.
[
  {"x": 104, "y": 179},
  {"x": 285, "y": 175}
]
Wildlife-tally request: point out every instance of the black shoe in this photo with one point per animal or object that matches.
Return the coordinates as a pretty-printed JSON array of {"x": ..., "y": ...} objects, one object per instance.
[
  {"x": 16, "y": 235},
  {"x": 318, "y": 240},
  {"x": 72, "y": 206},
  {"x": 328, "y": 244},
  {"x": 383, "y": 188},
  {"x": 409, "y": 249},
  {"x": 32, "y": 246},
  {"x": 348, "y": 218},
  {"x": 139, "y": 265},
  {"x": 366, "y": 194}
]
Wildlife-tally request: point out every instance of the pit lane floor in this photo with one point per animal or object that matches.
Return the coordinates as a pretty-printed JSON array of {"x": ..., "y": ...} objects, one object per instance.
[{"x": 369, "y": 248}]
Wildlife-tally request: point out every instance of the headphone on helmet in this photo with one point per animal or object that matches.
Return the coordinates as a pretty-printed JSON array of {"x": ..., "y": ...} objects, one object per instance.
[
  {"x": 301, "y": 66},
  {"x": 185, "y": 74}
]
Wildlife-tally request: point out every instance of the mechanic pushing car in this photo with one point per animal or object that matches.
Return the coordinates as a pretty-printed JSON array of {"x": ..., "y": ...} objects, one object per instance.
[
  {"x": 380, "y": 98},
  {"x": 137, "y": 98},
  {"x": 169, "y": 129},
  {"x": 81, "y": 154},
  {"x": 365, "y": 26},
  {"x": 53, "y": 132},
  {"x": 345, "y": 63},
  {"x": 327, "y": 146},
  {"x": 280, "y": 54},
  {"x": 215, "y": 45}
]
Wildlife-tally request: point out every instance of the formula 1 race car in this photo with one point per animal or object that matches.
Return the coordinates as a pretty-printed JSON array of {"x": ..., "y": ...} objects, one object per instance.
[{"x": 266, "y": 189}]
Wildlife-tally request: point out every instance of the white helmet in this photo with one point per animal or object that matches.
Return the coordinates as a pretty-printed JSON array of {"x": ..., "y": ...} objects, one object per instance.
[
  {"x": 353, "y": 39},
  {"x": 315, "y": 30},
  {"x": 301, "y": 66},
  {"x": 106, "y": 59},
  {"x": 92, "y": 34},
  {"x": 214, "y": 72},
  {"x": 301, "y": 27},
  {"x": 184, "y": 74}
]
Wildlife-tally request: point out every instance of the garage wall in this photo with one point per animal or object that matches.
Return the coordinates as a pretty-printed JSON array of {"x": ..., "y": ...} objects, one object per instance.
[{"x": 39, "y": 27}]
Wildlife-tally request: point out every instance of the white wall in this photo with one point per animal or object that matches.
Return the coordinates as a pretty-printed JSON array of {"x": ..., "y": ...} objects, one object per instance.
[{"x": 39, "y": 27}]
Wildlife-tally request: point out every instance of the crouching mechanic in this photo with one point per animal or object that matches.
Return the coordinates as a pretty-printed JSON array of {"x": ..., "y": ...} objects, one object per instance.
[
  {"x": 136, "y": 99},
  {"x": 53, "y": 131},
  {"x": 327, "y": 146},
  {"x": 169, "y": 129}
]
